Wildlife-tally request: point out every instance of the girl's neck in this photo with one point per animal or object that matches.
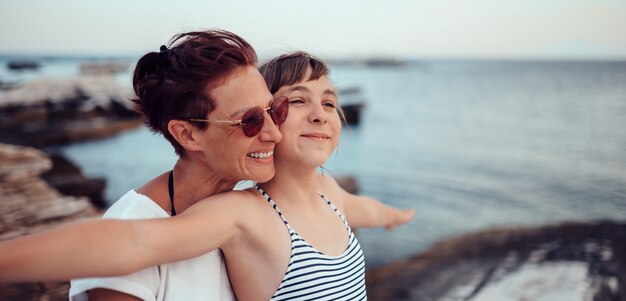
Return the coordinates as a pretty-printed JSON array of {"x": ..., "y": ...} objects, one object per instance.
[{"x": 293, "y": 184}]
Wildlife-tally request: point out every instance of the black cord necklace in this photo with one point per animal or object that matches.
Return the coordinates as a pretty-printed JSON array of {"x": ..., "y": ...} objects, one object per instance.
[{"x": 170, "y": 186}]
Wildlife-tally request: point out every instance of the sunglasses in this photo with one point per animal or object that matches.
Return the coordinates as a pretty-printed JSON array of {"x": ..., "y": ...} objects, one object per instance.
[{"x": 253, "y": 119}]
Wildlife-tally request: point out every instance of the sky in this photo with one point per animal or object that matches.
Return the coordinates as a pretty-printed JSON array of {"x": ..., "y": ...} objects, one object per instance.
[{"x": 509, "y": 29}]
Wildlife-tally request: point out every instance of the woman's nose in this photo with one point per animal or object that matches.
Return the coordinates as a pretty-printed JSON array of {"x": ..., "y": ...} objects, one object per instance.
[{"x": 270, "y": 131}]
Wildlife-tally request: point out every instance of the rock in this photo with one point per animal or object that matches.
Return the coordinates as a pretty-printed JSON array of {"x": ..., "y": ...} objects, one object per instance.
[
  {"x": 23, "y": 65},
  {"x": 352, "y": 112},
  {"x": 103, "y": 68},
  {"x": 69, "y": 130},
  {"x": 348, "y": 183},
  {"x": 68, "y": 179},
  {"x": 63, "y": 91},
  {"x": 4, "y": 85},
  {"x": 352, "y": 104},
  {"x": 55, "y": 111},
  {"x": 29, "y": 205},
  {"x": 573, "y": 261},
  {"x": 18, "y": 163}
]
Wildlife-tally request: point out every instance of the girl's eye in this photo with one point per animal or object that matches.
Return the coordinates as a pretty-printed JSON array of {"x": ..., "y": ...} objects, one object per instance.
[
  {"x": 329, "y": 105},
  {"x": 296, "y": 101}
]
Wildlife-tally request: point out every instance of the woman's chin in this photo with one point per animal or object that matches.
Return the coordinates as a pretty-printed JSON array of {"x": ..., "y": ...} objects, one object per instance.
[{"x": 264, "y": 176}]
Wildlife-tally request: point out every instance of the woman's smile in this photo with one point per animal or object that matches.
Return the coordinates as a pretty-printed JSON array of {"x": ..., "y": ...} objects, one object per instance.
[{"x": 263, "y": 156}]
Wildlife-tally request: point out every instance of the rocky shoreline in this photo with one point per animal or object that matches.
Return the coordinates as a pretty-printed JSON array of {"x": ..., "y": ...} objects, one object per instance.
[
  {"x": 40, "y": 191},
  {"x": 571, "y": 261},
  {"x": 28, "y": 204},
  {"x": 57, "y": 111}
]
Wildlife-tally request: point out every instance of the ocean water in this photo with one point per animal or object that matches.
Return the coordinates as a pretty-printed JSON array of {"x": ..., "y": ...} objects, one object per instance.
[
  {"x": 56, "y": 67},
  {"x": 468, "y": 144}
]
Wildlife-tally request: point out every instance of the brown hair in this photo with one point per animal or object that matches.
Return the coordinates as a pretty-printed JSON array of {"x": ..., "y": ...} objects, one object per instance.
[
  {"x": 176, "y": 82},
  {"x": 290, "y": 68}
]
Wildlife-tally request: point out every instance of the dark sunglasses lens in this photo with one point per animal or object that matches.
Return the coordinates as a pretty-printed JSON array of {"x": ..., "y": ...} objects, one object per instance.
[
  {"x": 252, "y": 122},
  {"x": 279, "y": 110}
]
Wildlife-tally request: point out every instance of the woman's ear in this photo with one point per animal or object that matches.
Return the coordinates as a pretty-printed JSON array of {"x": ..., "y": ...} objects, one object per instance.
[{"x": 183, "y": 132}]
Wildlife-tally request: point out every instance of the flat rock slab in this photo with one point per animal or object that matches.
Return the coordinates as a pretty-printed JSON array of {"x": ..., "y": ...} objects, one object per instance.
[
  {"x": 574, "y": 261},
  {"x": 63, "y": 110}
]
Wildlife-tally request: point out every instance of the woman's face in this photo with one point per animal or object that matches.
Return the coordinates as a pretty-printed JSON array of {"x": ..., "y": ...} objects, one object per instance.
[
  {"x": 228, "y": 152},
  {"x": 312, "y": 128}
]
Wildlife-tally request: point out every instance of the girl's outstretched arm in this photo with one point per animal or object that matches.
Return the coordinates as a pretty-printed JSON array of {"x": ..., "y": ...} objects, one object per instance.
[
  {"x": 107, "y": 247},
  {"x": 362, "y": 211}
]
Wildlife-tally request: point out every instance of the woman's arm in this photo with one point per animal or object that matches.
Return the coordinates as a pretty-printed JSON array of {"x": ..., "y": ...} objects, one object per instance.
[{"x": 107, "y": 247}]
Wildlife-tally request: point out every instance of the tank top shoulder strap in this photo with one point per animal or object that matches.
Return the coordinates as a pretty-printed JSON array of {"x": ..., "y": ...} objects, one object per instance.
[
  {"x": 329, "y": 203},
  {"x": 271, "y": 202}
]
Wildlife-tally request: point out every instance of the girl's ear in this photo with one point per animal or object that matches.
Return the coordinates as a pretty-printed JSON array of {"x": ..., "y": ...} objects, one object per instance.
[{"x": 184, "y": 132}]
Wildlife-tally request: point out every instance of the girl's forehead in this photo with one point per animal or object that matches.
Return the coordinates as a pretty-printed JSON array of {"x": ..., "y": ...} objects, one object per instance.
[{"x": 321, "y": 84}]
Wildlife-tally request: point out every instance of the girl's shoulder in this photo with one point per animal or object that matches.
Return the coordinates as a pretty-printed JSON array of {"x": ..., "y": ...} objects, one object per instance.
[
  {"x": 330, "y": 189},
  {"x": 242, "y": 203},
  {"x": 238, "y": 208},
  {"x": 326, "y": 182},
  {"x": 234, "y": 198}
]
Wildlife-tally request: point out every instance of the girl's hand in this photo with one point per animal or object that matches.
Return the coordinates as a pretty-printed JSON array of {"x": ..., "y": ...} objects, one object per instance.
[{"x": 400, "y": 216}]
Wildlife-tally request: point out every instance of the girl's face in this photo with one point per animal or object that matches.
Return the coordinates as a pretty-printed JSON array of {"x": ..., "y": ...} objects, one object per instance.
[{"x": 312, "y": 128}]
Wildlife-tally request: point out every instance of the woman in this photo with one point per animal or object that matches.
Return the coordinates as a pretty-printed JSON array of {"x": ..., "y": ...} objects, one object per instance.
[
  {"x": 208, "y": 74},
  {"x": 293, "y": 245}
]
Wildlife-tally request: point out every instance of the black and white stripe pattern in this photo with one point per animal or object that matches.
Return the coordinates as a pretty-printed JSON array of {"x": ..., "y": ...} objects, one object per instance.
[{"x": 313, "y": 275}]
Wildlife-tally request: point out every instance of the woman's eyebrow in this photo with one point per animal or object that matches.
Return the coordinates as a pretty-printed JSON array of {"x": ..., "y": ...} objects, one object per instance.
[
  {"x": 242, "y": 110},
  {"x": 245, "y": 109}
]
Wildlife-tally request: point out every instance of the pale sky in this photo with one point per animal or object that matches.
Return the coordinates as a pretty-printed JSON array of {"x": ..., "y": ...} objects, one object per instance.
[{"x": 562, "y": 29}]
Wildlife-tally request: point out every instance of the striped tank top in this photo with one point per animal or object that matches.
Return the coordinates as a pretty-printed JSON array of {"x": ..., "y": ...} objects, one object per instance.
[{"x": 313, "y": 275}]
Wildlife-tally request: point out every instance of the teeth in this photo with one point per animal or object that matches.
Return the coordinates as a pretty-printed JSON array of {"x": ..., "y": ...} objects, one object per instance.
[{"x": 261, "y": 155}]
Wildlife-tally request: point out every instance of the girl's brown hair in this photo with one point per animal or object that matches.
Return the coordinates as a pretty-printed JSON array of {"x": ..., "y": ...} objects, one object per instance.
[{"x": 291, "y": 68}]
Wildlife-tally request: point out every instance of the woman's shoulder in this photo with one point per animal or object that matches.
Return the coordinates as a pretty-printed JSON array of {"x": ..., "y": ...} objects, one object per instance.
[{"x": 134, "y": 205}]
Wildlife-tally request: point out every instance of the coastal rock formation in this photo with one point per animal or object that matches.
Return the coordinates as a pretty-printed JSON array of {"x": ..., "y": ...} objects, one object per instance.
[
  {"x": 68, "y": 179},
  {"x": 29, "y": 205},
  {"x": 574, "y": 261},
  {"x": 53, "y": 111},
  {"x": 23, "y": 65},
  {"x": 348, "y": 183}
]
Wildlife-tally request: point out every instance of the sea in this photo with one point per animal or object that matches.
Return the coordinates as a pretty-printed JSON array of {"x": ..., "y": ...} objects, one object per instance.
[{"x": 469, "y": 144}]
